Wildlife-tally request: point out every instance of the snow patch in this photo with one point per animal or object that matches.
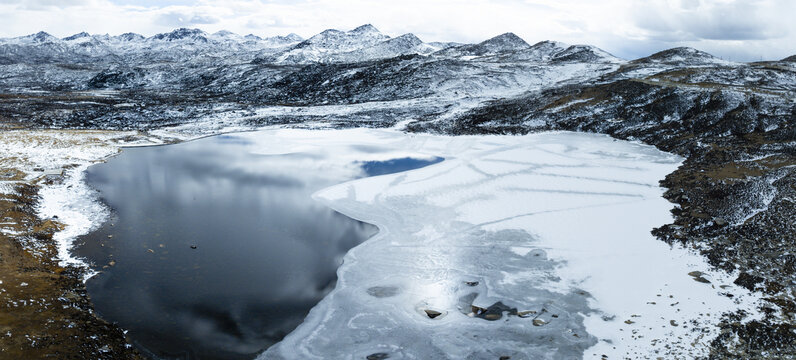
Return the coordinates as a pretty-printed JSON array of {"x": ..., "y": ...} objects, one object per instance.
[{"x": 76, "y": 205}]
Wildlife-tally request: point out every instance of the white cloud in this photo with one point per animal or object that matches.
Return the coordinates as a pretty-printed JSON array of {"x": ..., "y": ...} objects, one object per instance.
[
  {"x": 739, "y": 30},
  {"x": 711, "y": 20},
  {"x": 743, "y": 30}
]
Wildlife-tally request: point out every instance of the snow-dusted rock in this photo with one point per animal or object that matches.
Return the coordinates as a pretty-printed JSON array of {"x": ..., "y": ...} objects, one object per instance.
[
  {"x": 680, "y": 56},
  {"x": 507, "y": 42}
]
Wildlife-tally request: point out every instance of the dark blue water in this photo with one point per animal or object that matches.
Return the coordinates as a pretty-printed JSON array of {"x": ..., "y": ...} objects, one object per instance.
[
  {"x": 216, "y": 252},
  {"x": 375, "y": 168}
]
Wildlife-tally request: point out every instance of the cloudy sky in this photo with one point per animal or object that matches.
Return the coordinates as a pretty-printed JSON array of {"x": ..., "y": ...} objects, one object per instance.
[{"x": 741, "y": 30}]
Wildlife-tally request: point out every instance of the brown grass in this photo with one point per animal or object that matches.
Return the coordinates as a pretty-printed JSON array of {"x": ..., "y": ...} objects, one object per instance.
[{"x": 45, "y": 313}]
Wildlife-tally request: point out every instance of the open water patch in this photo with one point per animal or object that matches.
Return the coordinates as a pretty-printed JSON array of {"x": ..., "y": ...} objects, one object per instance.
[{"x": 384, "y": 167}]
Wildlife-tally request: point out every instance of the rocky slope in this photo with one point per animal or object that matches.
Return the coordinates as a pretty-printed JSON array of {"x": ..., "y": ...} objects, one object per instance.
[{"x": 735, "y": 122}]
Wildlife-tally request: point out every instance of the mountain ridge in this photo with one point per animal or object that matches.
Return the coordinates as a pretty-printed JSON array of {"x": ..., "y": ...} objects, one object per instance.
[{"x": 327, "y": 46}]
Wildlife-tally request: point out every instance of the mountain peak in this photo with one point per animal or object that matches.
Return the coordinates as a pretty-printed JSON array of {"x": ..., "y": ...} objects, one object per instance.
[
  {"x": 226, "y": 36},
  {"x": 329, "y": 42},
  {"x": 41, "y": 36},
  {"x": 294, "y": 37},
  {"x": 503, "y": 42},
  {"x": 550, "y": 44},
  {"x": 681, "y": 51},
  {"x": 79, "y": 35},
  {"x": 408, "y": 37},
  {"x": 406, "y": 44},
  {"x": 182, "y": 33},
  {"x": 280, "y": 41},
  {"x": 584, "y": 53},
  {"x": 223, "y": 33},
  {"x": 541, "y": 51},
  {"x": 683, "y": 54},
  {"x": 333, "y": 38},
  {"x": 367, "y": 28},
  {"x": 130, "y": 36},
  {"x": 791, "y": 58},
  {"x": 329, "y": 32},
  {"x": 507, "y": 40}
]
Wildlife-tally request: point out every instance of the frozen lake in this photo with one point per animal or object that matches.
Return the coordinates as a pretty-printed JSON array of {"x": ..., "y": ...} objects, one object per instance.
[
  {"x": 215, "y": 250},
  {"x": 531, "y": 247}
]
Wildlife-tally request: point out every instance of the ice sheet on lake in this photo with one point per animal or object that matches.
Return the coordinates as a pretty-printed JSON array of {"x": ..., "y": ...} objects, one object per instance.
[{"x": 531, "y": 247}]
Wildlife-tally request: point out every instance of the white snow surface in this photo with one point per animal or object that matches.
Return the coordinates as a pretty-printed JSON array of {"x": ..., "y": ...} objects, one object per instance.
[
  {"x": 557, "y": 223},
  {"x": 78, "y": 206}
]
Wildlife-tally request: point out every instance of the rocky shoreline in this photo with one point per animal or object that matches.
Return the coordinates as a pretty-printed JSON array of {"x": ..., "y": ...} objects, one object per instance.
[{"x": 48, "y": 313}]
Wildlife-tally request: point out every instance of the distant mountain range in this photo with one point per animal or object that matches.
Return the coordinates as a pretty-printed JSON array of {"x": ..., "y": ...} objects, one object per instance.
[
  {"x": 441, "y": 81},
  {"x": 330, "y": 46}
]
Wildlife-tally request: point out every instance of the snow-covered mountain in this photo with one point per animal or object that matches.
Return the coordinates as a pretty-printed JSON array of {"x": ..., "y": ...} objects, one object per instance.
[
  {"x": 507, "y": 42},
  {"x": 336, "y": 67},
  {"x": 680, "y": 56},
  {"x": 178, "y": 45},
  {"x": 585, "y": 54},
  {"x": 541, "y": 51},
  {"x": 364, "y": 43},
  {"x": 328, "y": 43},
  {"x": 128, "y": 37},
  {"x": 41, "y": 48},
  {"x": 333, "y": 66},
  {"x": 511, "y": 48},
  {"x": 403, "y": 45}
]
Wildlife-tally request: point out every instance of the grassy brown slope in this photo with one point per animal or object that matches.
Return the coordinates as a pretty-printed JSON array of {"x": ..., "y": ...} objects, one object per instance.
[{"x": 46, "y": 313}]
